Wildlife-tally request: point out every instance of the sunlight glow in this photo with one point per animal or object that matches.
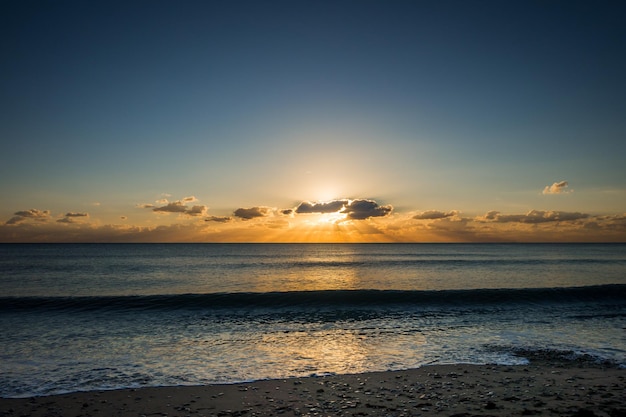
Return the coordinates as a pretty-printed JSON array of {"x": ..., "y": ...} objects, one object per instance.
[
  {"x": 328, "y": 218},
  {"x": 326, "y": 193}
]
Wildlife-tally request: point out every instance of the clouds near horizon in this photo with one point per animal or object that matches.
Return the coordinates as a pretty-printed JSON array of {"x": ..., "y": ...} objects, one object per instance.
[
  {"x": 179, "y": 206},
  {"x": 252, "y": 212},
  {"x": 351, "y": 220},
  {"x": 435, "y": 214},
  {"x": 533, "y": 217},
  {"x": 32, "y": 214}
]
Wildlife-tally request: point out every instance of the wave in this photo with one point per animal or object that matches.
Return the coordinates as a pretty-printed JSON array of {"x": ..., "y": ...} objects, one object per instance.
[{"x": 330, "y": 299}]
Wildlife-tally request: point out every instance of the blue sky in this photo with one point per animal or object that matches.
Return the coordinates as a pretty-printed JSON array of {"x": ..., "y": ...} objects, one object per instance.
[{"x": 110, "y": 110}]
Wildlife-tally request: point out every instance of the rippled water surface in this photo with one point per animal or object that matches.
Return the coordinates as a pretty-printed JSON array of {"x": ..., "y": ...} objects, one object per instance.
[{"x": 78, "y": 317}]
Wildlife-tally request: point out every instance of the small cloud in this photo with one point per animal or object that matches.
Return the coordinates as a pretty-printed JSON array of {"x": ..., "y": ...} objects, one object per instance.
[
  {"x": 145, "y": 206},
  {"x": 218, "y": 219},
  {"x": 174, "y": 207},
  {"x": 533, "y": 217},
  {"x": 557, "y": 188},
  {"x": 435, "y": 214},
  {"x": 123, "y": 218},
  {"x": 32, "y": 214},
  {"x": 253, "y": 212},
  {"x": 70, "y": 214},
  {"x": 178, "y": 207},
  {"x": 197, "y": 211},
  {"x": 72, "y": 217},
  {"x": 287, "y": 212},
  {"x": 364, "y": 209}
]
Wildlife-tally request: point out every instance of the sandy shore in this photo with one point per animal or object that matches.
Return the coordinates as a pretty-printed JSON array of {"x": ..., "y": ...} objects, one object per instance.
[{"x": 540, "y": 388}]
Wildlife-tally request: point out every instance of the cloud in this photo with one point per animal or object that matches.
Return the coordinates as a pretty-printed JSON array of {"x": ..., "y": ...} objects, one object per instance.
[
  {"x": 533, "y": 217},
  {"x": 328, "y": 207},
  {"x": 173, "y": 207},
  {"x": 359, "y": 209},
  {"x": 32, "y": 214},
  {"x": 66, "y": 220},
  {"x": 197, "y": 211},
  {"x": 72, "y": 217},
  {"x": 253, "y": 212},
  {"x": 70, "y": 214},
  {"x": 287, "y": 212},
  {"x": 218, "y": 219},
  {"x": 435, "y": 214},
  {"x": 557, "y": 188},
  {"x": 364, "y": 209},
  {"x": 179, "y": 206}
]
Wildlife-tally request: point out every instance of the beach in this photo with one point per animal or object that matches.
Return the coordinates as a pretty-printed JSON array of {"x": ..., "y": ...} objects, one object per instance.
[{"x": 544, "y": 387}]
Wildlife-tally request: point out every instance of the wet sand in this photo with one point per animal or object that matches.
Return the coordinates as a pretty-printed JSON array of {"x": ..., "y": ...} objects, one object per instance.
[{"x": 541, "y": 388}]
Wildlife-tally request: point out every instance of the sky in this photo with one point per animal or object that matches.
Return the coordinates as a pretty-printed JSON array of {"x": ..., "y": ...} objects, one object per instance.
[{"x": 312, "y": 121}]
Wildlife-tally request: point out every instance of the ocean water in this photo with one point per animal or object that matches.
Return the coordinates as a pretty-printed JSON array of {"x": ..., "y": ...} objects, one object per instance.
[{"x": 106, "y": 316}]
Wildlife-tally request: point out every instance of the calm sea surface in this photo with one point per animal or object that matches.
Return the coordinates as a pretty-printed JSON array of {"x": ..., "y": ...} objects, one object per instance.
[{"x": 91, "y": 316}]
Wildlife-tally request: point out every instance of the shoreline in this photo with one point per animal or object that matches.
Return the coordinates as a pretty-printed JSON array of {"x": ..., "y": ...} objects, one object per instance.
[{"x": 544, "y": 387}]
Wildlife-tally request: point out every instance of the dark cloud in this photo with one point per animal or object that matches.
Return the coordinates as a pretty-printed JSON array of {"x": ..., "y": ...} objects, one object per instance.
[
  {"x": 70, "y": 214},
  {"x": 174, "y": 207},
  {"x": 533, "y": 217},
  {"x": 353, "y": 209},
  {"x": 435, "y": 214},
  {"x": 327, "y": 207},
  {"x": 179, "y": 207},
  {"x": 364, "y": 209},
  {"x": 253, "y": 212},
  {"x": 218, "y": 219},
  {"x": 33, "y": 214},
  {"x": 287, "y": 212},
  {"x": 72, "y": 217},
  {"x": 557, "y": 188},
  {"x": 197, "y": 211}
]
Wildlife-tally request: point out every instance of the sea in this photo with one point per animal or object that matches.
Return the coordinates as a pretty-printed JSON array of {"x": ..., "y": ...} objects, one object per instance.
[{"x": 78, "y": 317}]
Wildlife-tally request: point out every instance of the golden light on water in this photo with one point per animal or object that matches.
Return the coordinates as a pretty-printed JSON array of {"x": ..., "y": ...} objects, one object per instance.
[{"x": 337, "y": 350}]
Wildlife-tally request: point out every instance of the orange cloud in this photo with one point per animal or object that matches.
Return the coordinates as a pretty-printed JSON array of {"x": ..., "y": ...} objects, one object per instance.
[
  {"x": 252, "y": 213},
  {"x": 179, "y": 206},
  {"x": 557, "y": 188},
  {"x": 31, "y": 214},
  {"x": 72, "y": 217},
  {"x": 435, "y": 214},
  {"x": 341, "y": 220}
]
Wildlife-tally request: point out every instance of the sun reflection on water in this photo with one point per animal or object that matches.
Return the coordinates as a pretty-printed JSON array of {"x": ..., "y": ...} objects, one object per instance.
[{"x": 337, "y": 351}]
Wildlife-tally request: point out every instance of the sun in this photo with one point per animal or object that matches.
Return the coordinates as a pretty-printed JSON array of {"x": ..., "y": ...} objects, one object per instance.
[{"x": 326, "y": 193}]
